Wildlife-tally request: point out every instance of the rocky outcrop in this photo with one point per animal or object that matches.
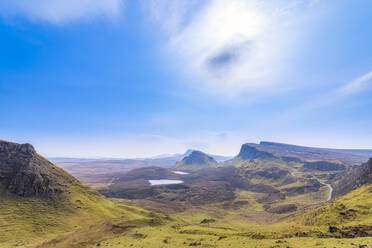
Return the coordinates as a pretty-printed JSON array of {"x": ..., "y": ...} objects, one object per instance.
[
  {"x": 351, "y": 232},
  {"x": 354, "y": 179},
  {"x": 250, "y": 152},
  {"x": 25, "y": 173}
]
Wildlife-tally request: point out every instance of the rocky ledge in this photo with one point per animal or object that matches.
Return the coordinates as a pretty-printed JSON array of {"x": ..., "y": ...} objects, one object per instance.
[{"x": 25, "y": 173}]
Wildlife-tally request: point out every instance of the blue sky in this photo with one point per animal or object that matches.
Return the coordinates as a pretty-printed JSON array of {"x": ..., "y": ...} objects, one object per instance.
[{"x": 120, "y": 78}]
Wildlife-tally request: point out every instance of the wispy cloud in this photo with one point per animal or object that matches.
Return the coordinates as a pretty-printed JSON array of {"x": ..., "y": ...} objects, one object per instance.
[
  {"x": 343, "y": 92},
  {"x": 230, "y": 46},
  {"x": 355, "y": 85},
  {"x": 60, "y": 11}
]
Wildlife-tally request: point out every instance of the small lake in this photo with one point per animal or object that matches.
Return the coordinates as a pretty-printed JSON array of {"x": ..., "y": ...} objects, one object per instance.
[
  {"x": 181, "y": 172},
  {"x": 164, "y": 181}
]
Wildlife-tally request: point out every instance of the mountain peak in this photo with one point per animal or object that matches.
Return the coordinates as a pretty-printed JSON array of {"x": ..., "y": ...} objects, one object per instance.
[
  {"x": 25, "y": 173},
  {"x": 198, "y": 157},
  {"x": 188, "y": 152},
  {"x": 196, "y": 160}
]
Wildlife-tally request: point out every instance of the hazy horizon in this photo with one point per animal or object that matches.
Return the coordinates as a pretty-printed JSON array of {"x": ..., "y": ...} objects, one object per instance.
[{"x": 161, "y": 155}]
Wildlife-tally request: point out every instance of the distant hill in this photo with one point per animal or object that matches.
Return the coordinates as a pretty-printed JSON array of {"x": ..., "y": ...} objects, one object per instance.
[
  {"x": 355, "y": 156},
  {"x": 99, "y": 170},
  {"x": 178, "y": 157},
  {"x": 196, "y": 161}
]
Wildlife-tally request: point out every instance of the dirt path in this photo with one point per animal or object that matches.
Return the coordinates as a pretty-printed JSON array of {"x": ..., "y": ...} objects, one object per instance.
[{"x": 330, "y": 191}]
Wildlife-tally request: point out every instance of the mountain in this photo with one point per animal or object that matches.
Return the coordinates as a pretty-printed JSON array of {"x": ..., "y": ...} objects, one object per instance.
[
  {"x": 39, "y": 201},
  {"x": 99, "y": 171},
  {"x": 353, "y": 156},
  {"x": 196, "y": 161},
  {"x": 254, "y": 156},
  {"x": 251, "y": 151},
  {"x": 179, "y": 156}
]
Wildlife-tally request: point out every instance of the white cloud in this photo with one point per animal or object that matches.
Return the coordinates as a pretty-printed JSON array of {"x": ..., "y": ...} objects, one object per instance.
[
  {"x": 230, "y": 46},
  {"x": 60, "y": 11}
]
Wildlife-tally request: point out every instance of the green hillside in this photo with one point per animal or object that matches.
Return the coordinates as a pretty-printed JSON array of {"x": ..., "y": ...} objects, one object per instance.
[
  {"x": 354, "y": 208},
  {"x": 198, "y": 228},
  {"x": 340, "y": 223},
  {"x": 29, "y": 220}
]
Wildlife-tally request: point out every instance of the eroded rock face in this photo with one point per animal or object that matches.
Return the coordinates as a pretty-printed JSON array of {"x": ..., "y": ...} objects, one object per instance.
[
  {"x": 354, "y": 179},
  {"x": 25, "y": 173},
  {"x": 250, "y": 152}
]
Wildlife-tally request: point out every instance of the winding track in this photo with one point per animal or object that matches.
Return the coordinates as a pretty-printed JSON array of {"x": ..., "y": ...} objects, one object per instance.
[
  {"x": 326, "y": 184},
  {"x": 330, "y": 191}
]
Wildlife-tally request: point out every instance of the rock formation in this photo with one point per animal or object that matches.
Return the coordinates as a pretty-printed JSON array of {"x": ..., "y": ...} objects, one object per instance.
[
  {"x": 250, "y": 152},
  {"x": 25, "y": 173}
]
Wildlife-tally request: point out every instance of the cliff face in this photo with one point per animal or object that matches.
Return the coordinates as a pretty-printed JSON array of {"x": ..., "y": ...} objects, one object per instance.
[
  {"x": 25, "y": 173},
  {"x": 354, "y": 179},
  {"x": 249, "y": 152}
]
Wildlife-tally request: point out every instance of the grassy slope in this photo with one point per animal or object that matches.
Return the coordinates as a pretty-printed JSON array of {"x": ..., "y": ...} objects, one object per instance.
[
  {"x": 185, "y": 230},
  {"x": 25, "y": 221},
  {"x": 232, "y": 233},
  {"x": 31, "y": 220},
  {"x": 351, "y": 209}
]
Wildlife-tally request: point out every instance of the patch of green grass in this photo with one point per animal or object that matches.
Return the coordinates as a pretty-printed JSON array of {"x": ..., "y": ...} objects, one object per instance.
[
  {"x": 352, "y": 209},
  {"x": 30, "y": 220},
  {"x": 170, "y": 236},
  {"x": 140, "y": 228}
]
